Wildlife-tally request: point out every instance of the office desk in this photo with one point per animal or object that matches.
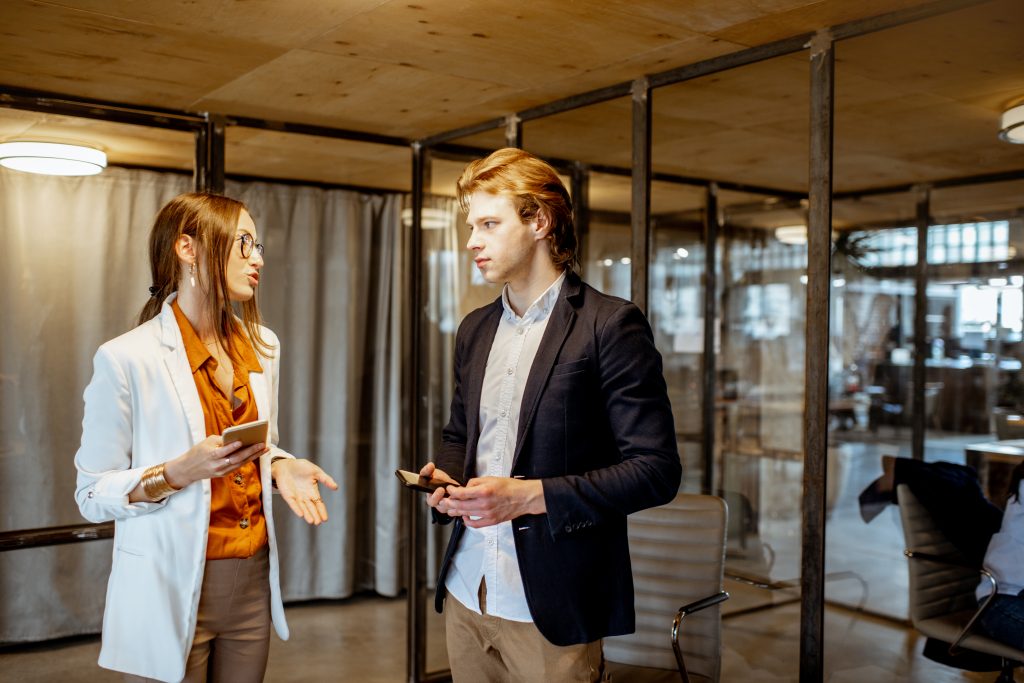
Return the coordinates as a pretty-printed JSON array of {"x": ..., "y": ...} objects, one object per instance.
[{"x": 994, "y": 460}]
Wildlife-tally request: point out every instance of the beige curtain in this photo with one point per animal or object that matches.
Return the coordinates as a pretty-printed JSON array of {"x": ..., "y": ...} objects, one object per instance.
[{"x": 74, "y": 273}]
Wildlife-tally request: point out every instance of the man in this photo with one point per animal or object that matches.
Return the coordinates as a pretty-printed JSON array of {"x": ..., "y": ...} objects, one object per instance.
[{"x": 560, "y": 427}]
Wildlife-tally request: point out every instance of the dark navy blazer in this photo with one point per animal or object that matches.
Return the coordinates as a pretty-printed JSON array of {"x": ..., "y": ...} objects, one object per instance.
[{"x": 596, "y": 426}]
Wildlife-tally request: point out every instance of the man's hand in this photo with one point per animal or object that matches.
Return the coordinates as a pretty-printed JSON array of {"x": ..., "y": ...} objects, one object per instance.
[
  {"x": 297, "y": 481},
  {"x": 486, "y": 501},
  {"x": 434, "y": 499}
]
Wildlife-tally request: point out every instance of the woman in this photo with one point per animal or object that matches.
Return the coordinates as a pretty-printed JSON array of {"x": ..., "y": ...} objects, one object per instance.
[
  {"x": 194, "y": 581},
  {"x": 1003, "y": 620}
]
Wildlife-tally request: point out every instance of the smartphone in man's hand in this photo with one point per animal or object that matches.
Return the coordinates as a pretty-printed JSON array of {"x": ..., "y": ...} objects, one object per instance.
[{"x": 414, "y": 481}]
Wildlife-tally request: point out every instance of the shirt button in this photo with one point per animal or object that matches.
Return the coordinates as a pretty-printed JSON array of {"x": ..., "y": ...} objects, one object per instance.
[
  {"x": 509, "y": 371},
  {"x": 521, "y": 330},
  {"x": 503, "y": 413},
  {"x": 490, "y": 541},
  {"x": 244, "y": 524},
  {"x": 238, "y": 479}
]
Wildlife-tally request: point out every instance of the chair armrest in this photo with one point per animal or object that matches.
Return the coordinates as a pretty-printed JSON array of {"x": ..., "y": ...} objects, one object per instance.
[
  {"x": 703, "y": 603},
  {"x": 684, "y": 611},
  {"x": 993, "y": 589}
]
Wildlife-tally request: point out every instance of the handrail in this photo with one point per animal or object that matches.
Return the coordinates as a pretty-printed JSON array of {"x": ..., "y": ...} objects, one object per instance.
[{"x": 54, "y": 535}]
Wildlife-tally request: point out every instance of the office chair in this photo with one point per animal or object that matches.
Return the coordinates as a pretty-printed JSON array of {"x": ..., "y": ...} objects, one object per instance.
[
  {"x": 678, "y": 554},
  {"x": 942, "y": 588}
]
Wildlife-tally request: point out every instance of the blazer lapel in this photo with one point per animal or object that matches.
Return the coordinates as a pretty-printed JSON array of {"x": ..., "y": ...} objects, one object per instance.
[
  {"x": 181, "y": 372},
  {"x": 258, "y": 384},
  {"x": 563, "y": 315},
  {"x": 476, "y": 366}
]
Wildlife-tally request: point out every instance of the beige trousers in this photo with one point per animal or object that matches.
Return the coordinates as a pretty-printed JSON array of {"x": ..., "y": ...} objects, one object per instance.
[
  {"x": 232, "y": 637},
  {"x": 487, "y": 648}
]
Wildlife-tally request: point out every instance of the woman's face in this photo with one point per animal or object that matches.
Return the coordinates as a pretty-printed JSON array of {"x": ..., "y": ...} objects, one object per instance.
[{"x": 243, "y": 272}]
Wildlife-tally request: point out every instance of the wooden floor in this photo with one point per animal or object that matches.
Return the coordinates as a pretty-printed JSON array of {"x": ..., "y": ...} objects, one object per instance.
[{"x": 363, "y": 640}]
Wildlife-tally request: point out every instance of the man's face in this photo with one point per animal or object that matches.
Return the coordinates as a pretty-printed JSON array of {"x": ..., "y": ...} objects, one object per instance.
[{"x": 503, "y": 245}]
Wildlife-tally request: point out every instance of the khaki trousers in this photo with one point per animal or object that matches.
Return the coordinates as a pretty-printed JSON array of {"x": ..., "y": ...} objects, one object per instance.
[
  {"x": 487, "y": 648},
  {"x": 232, "y": 637}
]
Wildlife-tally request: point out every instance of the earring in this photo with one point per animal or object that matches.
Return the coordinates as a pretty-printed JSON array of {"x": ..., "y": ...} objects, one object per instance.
[{"x": 192, "y": 274}]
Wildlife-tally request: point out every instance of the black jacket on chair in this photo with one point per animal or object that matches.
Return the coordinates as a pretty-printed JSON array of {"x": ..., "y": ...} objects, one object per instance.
[{"x": 596, "y": 426}]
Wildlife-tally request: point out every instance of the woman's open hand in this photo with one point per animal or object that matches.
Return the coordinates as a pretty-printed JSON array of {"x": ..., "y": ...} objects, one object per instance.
[{"x": 297, "y": 479}]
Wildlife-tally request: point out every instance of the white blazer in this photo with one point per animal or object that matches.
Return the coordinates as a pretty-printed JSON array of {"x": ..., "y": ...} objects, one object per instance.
[{"x": 142, "y": 409}]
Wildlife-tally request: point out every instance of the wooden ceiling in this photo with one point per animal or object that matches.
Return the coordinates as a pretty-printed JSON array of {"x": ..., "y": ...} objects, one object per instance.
[{"x": 914, "y": 103}]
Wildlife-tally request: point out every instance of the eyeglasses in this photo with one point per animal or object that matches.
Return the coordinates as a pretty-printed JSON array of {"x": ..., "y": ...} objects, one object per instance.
[{"x": 247, "y": 244}]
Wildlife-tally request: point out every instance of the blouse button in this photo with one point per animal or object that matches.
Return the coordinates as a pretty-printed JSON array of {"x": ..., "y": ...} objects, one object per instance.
[
  {"x": 238, "y": 479},
  {"x": 244, "y": 524}
]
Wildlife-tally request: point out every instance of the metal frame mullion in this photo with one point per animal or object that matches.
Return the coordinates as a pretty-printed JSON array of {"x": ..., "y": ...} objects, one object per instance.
[
  {"x": 201, "y": 166},
  {"x": 513, "y": 131},
  {"x": 819, "y": 280},
  {"x": 581, "y": 209},
  {"x": 920, "y": 310},
  {"x": 416, "y": 636},
  {"x": 712, "y": 227},
  {"x": 641, "y": 197}
]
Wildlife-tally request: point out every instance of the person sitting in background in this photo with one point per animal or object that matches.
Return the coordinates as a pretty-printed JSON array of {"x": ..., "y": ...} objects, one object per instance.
[
  {"x": 1003, "y": 619},
  {"x": 948, "y": 491}
]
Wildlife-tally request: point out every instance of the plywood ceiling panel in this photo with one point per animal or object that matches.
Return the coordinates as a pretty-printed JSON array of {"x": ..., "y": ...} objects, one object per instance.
[
  {"x": 348, "y": 92},
  {"x": 271, "y": 22},
  {"x": 614, "y": 193},
  {"x": 779, "y": 20},
  {"x": 598, "y": 134},
  {"x": 960, "y": 56},
  {"x": 887, "y": 210},
  {"x": 513, "y": 44},
  {"x": 81, "y": 53},
  {"x": 978, "y": 202},
  {"x": 270, "y": 154}
]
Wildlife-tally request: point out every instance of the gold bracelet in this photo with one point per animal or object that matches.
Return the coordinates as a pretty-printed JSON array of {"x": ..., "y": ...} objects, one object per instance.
[{"x": 155, "y": 485}]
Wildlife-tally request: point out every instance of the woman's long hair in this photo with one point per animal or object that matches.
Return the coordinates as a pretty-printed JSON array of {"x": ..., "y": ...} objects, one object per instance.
[{"x": 211, "y": 220}]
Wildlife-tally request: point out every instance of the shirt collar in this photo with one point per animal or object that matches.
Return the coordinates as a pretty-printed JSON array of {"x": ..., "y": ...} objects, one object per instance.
[
  {"x": 540, "y": 308},
  {"x": 195, "y": 349}
]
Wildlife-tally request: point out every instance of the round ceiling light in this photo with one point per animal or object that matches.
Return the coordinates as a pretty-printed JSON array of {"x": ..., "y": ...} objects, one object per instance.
[
  {"x": 51, "y": 158},
  {"x": 1012, "y": 125},
  {"x": 792, "y": 234}
]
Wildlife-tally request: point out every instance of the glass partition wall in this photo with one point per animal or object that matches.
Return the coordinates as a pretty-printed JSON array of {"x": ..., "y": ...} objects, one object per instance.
[
  {"x": 871, "y": 359},
  {"x": 925, "y": 301},
  {"x": 974, "y": 327},
  {"x": 744, "y": 133}
]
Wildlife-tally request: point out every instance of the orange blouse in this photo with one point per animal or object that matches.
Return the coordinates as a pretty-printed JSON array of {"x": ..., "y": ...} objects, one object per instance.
[{"x": 237, "y": 526}]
